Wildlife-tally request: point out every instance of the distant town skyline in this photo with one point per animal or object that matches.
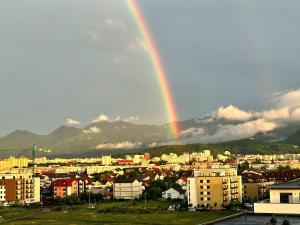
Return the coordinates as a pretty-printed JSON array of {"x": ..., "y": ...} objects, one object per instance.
[{"x": 68, "y": 62}]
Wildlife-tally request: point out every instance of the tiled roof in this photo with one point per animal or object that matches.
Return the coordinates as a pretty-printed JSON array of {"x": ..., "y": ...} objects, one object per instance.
[{"x": 63, "y": 183}]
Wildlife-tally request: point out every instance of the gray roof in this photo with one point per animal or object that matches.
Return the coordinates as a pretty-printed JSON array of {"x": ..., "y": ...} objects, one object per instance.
[{"x": 295, "y": 184}]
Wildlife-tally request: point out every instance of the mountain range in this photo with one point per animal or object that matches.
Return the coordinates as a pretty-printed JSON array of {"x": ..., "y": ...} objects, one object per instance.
[{"x": 118, "y": 136}]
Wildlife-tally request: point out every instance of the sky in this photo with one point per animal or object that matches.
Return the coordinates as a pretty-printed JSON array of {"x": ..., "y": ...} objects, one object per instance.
[{"x": 77, "y": 59}]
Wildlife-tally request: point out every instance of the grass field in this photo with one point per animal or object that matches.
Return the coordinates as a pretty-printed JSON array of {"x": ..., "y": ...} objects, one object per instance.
[{"x": 117, "y": 213}]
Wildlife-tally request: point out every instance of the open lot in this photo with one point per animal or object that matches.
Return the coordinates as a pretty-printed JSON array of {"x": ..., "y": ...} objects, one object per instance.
[{"x": 116, "y": 213}]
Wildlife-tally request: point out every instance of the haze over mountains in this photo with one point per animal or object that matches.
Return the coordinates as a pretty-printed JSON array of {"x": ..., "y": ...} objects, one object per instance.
[
  {"x": 120, "y": 135},
  {"x": 281, "y": 123}
]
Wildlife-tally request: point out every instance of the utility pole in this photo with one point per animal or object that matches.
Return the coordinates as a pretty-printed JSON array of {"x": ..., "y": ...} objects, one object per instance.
[{"x": 145, "y": 207}]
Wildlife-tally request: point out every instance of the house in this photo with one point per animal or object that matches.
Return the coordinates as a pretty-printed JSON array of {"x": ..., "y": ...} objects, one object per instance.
[
  {"x": 65, "y": 187},
  {"x": 284, "y": 199},
  {"x": 127, "y": 189},
  {"x": 173, "y": 194}
]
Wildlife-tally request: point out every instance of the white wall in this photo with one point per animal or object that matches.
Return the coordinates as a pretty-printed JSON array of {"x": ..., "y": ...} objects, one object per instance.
[
  {"x": 192, "y": 191},
  {"x": 277, "y": 208},
  {"x": 275, "y": 195}
]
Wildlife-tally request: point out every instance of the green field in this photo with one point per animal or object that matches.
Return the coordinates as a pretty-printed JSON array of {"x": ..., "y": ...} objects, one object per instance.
[{"x": 116, "y": 213}]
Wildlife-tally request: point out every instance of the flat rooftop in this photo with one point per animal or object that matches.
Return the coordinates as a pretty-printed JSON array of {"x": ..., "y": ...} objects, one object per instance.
[
  {"x": 258, "y": 219},
  {"x": 287, "y": 185}
]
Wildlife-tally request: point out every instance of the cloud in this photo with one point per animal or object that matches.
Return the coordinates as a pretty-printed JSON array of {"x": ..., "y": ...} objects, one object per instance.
[
  {"x": 132, "y": 118},
  {"x": 136, "y": 46},
  {"x": 108, "y": 24},
  {"x": 276, "y": 114},
  {"x": 70, "y": 121},
  {"x": 95, "y": 35},
  {"x": 92, "y": 130},
  {"x": 295, "y": 114},
  {"x": 290, "y": 99},
  {"x": 233, "y": 113},
  {"x": 101, "y": 118},
  {"x": 240, "y": 131},
  {"x": 113, "y": 24},
  {"x": 119, "y": 59},
  {"x": 121, "y": 145},
  {"x": 192, "y": 132}
]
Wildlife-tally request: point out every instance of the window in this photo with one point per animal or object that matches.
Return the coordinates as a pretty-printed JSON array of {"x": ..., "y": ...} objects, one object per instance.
[
  {"x": 286, "y": 198},
  {"x": 201, "y": 199},
  {"x": 208, "y": 187},
  {"x": 208, "y": 181},
  {"x": 169, "y": 195},
  {"x": 201, "y": 193},
  {"x": 201, "y": 181}
]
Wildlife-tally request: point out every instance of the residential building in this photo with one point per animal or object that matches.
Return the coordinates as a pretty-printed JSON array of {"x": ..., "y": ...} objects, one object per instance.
[
  {"x": 19, "y": 188},
  {"x": 64, "y": 187},
  {"x": 128, "y": 189},
  {"x": 172, "y": 193},
  {"x": 284, "y": 199},
  {"x": 216, "y": 187},
  {"x": 255, "y": 190}
]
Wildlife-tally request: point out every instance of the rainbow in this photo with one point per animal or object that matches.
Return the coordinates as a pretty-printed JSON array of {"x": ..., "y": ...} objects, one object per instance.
[{"x": 157, "y": 66}]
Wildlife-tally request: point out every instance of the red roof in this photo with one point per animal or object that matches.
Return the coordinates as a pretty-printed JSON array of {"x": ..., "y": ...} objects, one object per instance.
[
  {"x": 63, "y": 183},
  {"x": 125, "y": 161}
]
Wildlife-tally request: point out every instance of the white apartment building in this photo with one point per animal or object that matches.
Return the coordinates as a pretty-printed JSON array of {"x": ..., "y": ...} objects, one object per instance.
[{"x": 128, "y": 190}]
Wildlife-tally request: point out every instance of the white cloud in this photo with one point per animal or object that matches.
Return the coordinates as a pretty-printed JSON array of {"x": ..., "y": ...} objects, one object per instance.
[
  {"x": 276, "y": 114},
  {"x": 101, "y": 118},
  {"x": 137, "y": 45},
  {"x": 113, "y": 24},
  {"x": 92, "y": 130},
  {"x": 290, "y": 99},
  {"x": 233, "y": 113},
  {"x": 295, "y": 114},
  {"x": 121, "y": 145},
  {"x": 119, "y": 59},
  {"x": 192, "y": 132},
  {"x": 132, "y": 118},
  {"x": 70, "y": 121},
  {"x": 95, "y": 35},
  {"x": 240, "y": 131}
]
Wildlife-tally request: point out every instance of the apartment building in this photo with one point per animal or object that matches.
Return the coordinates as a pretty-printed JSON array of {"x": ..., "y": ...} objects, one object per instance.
[
  {"x": 19, "y": 188},
  {"x": 255, "y": 190},
  {"x": 128, "y": 190},
  {"x": 214, "y": 187}
]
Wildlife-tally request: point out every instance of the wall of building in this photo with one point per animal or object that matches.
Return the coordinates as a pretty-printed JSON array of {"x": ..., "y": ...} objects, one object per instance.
[
  {"x": 275, "y": 195},
  {"x": 277, "y": 208}
]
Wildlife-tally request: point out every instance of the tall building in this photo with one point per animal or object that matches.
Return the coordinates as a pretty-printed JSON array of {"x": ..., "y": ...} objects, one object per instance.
[
  {"x": 19, "y": 188},
  {"x": 214, "y": 187}
]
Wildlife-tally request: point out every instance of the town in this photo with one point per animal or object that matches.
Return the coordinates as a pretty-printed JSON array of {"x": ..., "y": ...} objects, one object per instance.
[{"x": 198, "y": 180}]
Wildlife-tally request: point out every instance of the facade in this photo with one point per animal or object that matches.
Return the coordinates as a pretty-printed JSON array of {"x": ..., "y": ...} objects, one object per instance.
[
  {"x": 19, "y": 189},
  {"x": 284, "y": 199},
  {"x": 214, "y": 187},
  {"x": 64, "y": 187},
  {"x": 255, "y": 191},
  {"x": 173, "y": 194},
  {"x": 128, "y": 190}
]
